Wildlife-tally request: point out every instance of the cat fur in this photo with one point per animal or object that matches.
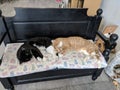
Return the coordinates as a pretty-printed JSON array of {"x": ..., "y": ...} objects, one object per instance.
[
  {"x": 26, "y": 52},
  {"x": 64, "y": 45},
  {"x": 29, "y": 49}
]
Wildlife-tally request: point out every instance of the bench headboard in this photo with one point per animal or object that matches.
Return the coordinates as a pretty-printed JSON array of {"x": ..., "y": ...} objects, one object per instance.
[{"x": 53, "y": 23}]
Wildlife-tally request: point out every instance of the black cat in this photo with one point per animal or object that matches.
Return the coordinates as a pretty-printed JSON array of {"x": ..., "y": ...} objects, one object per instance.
[
  {"x": 27, "y": 50},
  {"x": 41, "y": 41}
]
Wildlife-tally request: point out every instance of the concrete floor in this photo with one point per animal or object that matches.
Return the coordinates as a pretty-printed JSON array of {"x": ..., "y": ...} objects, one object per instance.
[{"x": 79, "y": 83}]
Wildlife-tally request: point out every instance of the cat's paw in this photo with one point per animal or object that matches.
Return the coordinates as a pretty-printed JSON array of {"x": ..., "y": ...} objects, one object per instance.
[
  {"x": 84, "y": 51},
  {"x": 50, "y": 50},
  {"x": 60, "y": 55},
  {"x": 93, "y": 53},
  {"x": 39, "y": 59},
  {"x": 44, "y": 59}
]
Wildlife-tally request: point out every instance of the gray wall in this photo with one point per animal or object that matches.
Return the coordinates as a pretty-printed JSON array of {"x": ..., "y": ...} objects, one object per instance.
[{"x": 111, "y": 15}]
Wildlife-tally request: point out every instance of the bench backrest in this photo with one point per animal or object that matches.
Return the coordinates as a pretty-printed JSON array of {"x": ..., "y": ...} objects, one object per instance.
[{"x": 53, "y": 23}]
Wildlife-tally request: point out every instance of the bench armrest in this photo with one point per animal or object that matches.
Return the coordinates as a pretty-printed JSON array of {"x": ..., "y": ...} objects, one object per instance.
[
  {"x": 4, "y": 32},
  {"x": 109, "y": 43}
]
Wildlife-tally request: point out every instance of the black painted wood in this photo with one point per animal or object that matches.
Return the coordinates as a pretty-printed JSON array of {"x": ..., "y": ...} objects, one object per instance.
[
  {"x": 50, "y": 29},
  {"x": 47, "y": 14},
  {"x": 32, "y": 22},
  {"x": 6, "y": 82},
  {"x": 2, "y": 30},
  {"x": 51, "y": 75},
  {"x": 102, "y": 36},
  {"x": 52, "y": 23}
]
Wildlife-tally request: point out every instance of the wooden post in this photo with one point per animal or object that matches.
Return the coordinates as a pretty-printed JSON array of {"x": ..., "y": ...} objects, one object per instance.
[{"x": 110, "y": 29}]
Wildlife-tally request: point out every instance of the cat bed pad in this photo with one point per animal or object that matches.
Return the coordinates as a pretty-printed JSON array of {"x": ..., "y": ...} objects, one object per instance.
[{"x": 10, "y": 66}]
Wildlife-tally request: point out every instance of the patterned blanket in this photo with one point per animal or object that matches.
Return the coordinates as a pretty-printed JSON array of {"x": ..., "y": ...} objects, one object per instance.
[{"x": 10, "y": 66}]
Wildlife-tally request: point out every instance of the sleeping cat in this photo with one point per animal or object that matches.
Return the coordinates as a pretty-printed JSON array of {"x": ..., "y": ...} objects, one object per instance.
[
  {"x": 29, "y": 49},
  {"x": 40, "y": 41},
  {"x": 63, "y": 45},
  {"x": 43, "y": 41},
  {"x": 26, "y": 52}
]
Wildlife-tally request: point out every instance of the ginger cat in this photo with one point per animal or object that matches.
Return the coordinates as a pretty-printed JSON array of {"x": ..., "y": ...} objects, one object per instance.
[{"x": 63, "y": 45}]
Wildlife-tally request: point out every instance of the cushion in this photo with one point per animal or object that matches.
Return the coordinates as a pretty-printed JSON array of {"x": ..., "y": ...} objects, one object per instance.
[{"x": 10, "y": 66}]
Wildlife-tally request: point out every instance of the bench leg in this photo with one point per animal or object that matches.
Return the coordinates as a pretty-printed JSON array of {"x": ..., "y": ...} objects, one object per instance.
[
  {"x": 96, "y": 74},
  {"x": 7, "y": 83}
]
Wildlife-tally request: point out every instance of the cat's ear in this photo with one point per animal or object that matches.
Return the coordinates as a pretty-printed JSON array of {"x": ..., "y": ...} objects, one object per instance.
[{"x": 60, "y": 44}]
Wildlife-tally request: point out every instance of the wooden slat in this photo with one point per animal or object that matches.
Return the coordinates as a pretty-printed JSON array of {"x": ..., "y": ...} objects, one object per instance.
[
  {"x": 74, "y": 3},
  {"x": 93, "y": 5},
  {"x": 110, "y": 29}
]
